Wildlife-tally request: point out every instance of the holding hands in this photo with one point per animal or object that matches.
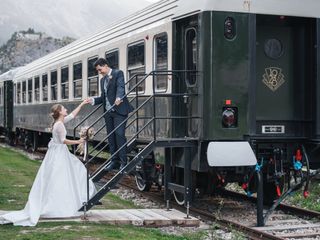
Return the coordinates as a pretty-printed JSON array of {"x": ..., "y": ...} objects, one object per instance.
[{"x": 86, "y": 101}]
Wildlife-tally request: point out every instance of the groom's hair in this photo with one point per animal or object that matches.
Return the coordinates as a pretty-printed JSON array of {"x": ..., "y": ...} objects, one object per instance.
[{"x": 101, "y": 62}]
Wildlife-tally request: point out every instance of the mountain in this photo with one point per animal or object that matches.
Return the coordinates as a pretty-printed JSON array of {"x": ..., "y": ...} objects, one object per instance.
[
  {"x": 25, "y": 46},
  {"x": 58, "y": 18}
]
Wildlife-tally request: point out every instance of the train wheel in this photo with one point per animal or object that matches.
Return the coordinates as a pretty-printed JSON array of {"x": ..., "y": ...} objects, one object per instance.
[{"x": 142, "y": 184}]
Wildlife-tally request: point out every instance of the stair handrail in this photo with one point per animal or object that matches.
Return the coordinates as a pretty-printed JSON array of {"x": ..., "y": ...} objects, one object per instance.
[
  {"x": 134, "y": 88},
  {"x": 123, "y": 122},
  {"x": 106, "y": 163}
]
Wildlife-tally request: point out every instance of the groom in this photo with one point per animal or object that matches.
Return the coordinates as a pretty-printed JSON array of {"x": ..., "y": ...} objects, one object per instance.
[{"x": 113, "y": 92}]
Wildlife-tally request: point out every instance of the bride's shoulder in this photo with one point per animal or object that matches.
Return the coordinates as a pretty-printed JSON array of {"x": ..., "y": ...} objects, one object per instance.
[{"x": 57, "y": 124}]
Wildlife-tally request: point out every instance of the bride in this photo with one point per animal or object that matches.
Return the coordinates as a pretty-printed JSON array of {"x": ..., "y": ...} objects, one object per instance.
[{"x": 60, "y": 187}]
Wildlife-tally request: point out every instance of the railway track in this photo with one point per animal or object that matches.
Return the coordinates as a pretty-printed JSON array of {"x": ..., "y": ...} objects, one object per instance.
[{"x": 232, "y": 210}]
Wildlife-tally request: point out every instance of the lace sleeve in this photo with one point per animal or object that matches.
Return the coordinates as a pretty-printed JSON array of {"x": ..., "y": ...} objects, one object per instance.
[
  {"x": 59, "y": 132},
  {"x": 68, "y": 118}
]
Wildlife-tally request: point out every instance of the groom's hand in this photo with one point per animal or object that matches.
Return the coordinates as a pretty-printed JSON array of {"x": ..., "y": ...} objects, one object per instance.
[
  {"x": 118, "y": 101},
  {"x": 89, "y": 100}
]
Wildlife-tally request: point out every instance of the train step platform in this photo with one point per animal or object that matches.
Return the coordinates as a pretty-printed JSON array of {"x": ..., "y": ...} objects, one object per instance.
[{"x": 137, "y": 217}]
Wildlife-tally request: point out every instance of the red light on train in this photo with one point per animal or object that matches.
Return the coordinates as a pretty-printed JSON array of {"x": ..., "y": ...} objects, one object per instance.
[
  {"x": 282, "y": 17},
  {"x": 228, "y": 102}
]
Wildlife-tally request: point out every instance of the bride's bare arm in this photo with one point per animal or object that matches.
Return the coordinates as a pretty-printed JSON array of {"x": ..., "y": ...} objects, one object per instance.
[
  {"x": 76, "y": 111},
  {"x": 73, "y": 142}
]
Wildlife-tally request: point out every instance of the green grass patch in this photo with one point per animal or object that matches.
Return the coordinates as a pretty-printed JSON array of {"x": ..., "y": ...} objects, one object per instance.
[
  {"x": 17, "y": 173},
  {"x": 46, "y": 231},
  {"x": 111, "y": 201},
  {"x": 312, "y": 202}
]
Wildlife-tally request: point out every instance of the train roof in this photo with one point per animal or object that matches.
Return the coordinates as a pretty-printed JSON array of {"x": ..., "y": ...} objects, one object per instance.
[
  {"x": 9, "y": 75},
  {"x": 169, "y": 10}
]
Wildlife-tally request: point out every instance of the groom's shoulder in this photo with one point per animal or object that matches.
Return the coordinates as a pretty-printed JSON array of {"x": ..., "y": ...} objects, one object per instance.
[{"x": 117, "y": 72}]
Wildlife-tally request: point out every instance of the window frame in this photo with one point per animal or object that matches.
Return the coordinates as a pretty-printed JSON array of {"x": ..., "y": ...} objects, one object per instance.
[
  {"x": 35, "y": 92},
  {"x": 155, "y": 55},
  {"x": 77, "y": 80},
  {"x": 137, "y": 67},
  {"x": 93, "y": 77},
  {"x": 115, "y": 50},
  {"x": 63, "y": 83},
  {"x": 29, "y": 91},
  {"x": 24, "y": 92},
  {"x": 186, "y": 55},
  {"x": 44, "y": 87},
  {"x": 15, "y": 93},
  {"x": 19, "y": 92},
  {"x": 54, "y": 86},
  {"x": 1, "y": 96}
]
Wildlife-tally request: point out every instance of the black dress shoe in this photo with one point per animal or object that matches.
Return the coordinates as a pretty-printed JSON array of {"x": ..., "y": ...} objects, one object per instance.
[
  {"x": 112, "y": 166},
  {"x": 123, "y": 165}
]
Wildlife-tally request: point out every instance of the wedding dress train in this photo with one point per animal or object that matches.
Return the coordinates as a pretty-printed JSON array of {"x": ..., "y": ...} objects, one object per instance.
[{"x": 60, "y": 187}]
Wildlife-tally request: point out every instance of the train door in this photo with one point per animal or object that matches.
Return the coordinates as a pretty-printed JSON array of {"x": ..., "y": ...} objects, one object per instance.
[
  {"x": 284, "y": 73},
  {"x": 8, "y": 105},
  {"x": 185, "y": 57}
]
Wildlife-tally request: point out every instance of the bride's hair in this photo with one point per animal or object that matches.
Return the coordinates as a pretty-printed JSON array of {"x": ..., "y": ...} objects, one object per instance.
[{"x": 55, "y": 112}]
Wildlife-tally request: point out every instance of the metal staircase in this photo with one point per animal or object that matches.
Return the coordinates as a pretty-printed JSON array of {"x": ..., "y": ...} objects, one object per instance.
[{"x": 146, "y": 147}]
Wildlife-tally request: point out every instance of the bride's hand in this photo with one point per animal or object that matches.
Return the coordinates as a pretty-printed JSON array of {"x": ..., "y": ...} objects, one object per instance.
[
  {"x": 86, "y": 101},
  {"x": 81, "y": 140}
]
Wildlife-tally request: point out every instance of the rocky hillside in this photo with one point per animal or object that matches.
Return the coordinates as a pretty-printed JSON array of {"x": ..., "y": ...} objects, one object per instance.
[{"x": 25, "y": 46}]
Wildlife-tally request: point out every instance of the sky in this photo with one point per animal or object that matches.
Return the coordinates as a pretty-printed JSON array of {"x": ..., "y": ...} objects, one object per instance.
[{"x": 58, "y": 18}]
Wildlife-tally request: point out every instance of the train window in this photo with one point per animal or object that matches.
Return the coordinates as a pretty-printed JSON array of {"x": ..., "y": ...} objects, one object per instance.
[
  {"x": 136, "y": 65},
  {"x": 45, "y": 87},
  {"x": 37, "y": 89},
  {"x": 77, "y": 80},
  {"x": 65, "y": 83},
  {"x": 30, "y": 90},
  {"x": 24, "y": 94},
  {"x": 19, "y": 93},
  {"x": 92, "y": 77},
  {"x": 53, "y": 75},
  {"x": 161, "y": 61},
  {"x": 191, "y": 53},
  {"x": 15, "y": 93},
  {"x": 113, "y": 58}
]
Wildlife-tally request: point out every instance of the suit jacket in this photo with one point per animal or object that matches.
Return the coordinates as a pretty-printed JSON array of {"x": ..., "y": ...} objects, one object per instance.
[{"x": 115, "y": 89}]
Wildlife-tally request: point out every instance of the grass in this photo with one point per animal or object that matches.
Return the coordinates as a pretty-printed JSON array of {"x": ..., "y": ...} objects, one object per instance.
[
  {"x": 17, "y": 173},
  {"x": 46, "y": 231},
  {"x": 312, "y": 202}
]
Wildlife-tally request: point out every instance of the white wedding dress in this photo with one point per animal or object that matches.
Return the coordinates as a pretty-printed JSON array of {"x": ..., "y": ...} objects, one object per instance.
[{"x": 60, "y": 187}]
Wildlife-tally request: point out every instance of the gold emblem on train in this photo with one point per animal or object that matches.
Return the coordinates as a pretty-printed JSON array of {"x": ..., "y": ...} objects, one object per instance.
[{"x": 273, "y": 78}]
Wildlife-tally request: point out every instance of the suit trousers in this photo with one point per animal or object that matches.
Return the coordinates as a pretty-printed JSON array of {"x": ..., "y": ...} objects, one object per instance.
[{"x": 118, "y": 138}]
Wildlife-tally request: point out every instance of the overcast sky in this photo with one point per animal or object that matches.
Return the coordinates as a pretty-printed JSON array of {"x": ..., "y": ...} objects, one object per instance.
[{"x": 58, "y": 18}]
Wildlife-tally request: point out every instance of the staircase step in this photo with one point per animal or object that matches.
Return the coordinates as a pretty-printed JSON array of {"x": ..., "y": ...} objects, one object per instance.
[{"x": 117, "y": 177}]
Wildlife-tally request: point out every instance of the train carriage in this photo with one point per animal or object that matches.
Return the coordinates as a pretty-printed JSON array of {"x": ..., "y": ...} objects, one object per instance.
[{"x": 222, "y": 88}]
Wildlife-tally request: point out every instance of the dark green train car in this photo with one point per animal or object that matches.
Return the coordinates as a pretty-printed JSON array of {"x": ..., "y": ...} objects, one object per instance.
[{"x": 257, "y": 82}]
